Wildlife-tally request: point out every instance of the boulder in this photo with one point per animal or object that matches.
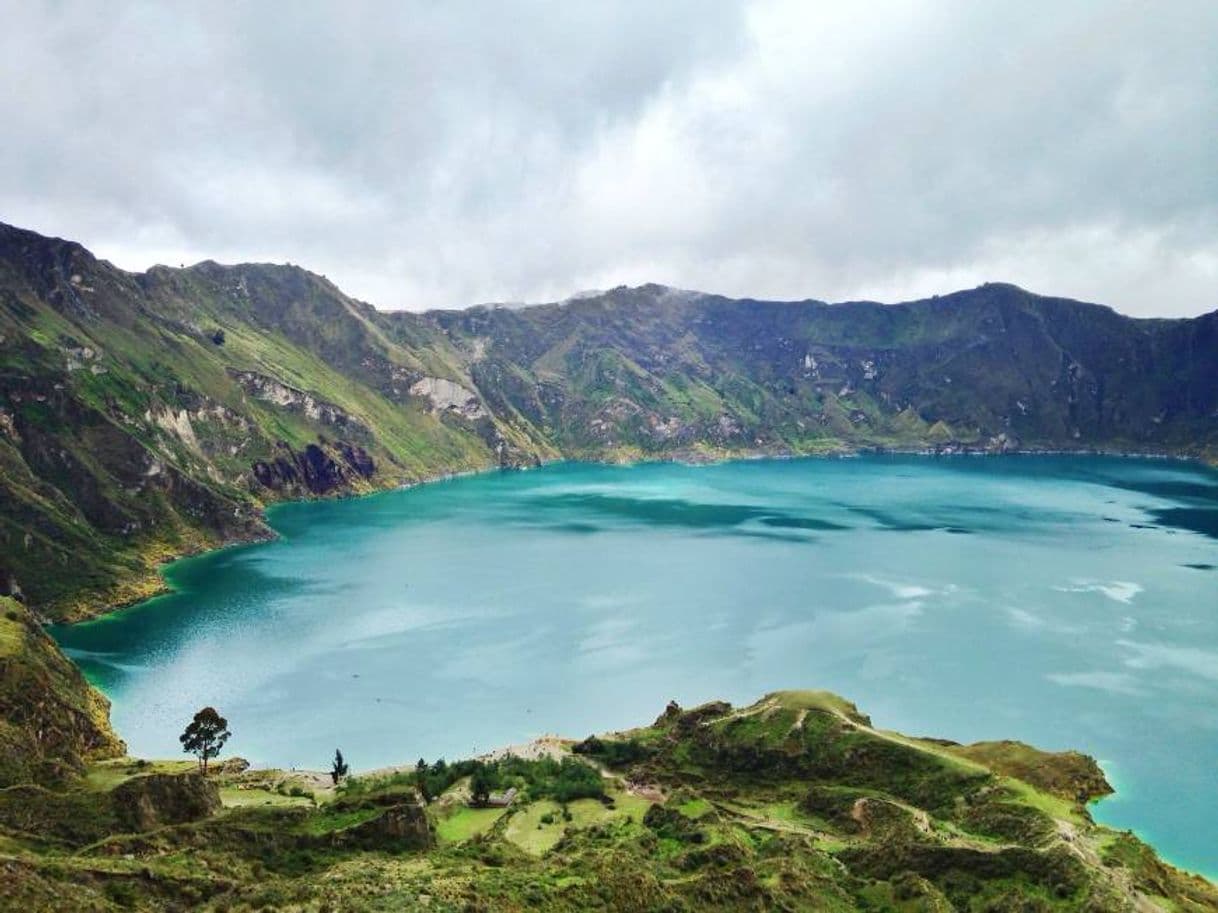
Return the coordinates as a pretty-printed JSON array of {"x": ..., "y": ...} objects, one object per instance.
[
  {"x": 671, "y": 713},
  {"x": 401, "y": 826},
  {"x": 233, "y": 766}
]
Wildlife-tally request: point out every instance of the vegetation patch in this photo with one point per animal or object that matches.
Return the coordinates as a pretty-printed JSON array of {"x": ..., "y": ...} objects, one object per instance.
[{"x": 761, "y": 813}]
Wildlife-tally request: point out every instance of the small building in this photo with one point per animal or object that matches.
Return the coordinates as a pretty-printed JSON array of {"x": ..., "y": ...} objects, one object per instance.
[{"x": 503, "y": 799}]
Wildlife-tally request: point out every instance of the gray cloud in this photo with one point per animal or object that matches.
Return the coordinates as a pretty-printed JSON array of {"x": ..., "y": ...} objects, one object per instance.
[{"x": 428, "y": 154}]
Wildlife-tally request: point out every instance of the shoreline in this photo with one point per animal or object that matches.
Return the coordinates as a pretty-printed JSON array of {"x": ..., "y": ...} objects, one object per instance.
[
  {"x": 1120, "y": 792},
  {"x": 683, "y": 458}
]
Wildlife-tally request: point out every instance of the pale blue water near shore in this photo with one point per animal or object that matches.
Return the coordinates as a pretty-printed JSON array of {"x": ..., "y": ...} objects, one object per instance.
[{"x": 1071, "y": 602}]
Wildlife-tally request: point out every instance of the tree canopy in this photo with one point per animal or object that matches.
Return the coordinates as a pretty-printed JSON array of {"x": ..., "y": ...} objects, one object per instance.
[
  {"x": 205, "y": 736},
  {"x": 339, "y": 768}
]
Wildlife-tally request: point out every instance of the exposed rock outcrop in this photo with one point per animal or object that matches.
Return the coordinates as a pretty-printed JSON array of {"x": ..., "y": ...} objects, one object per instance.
[
  {"x": 155, "y": 800},
  {"x": 318, "y": 469},
  {"x": 446, "y": 395},
  {"x": 274, "y": 391}
]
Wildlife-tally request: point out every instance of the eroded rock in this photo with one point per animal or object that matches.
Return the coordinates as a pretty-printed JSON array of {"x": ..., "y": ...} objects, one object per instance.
[
  {"x": 448, "y": 396},
  {"x": 401, "y": 826},
  {"x": 155, "y": 800}
]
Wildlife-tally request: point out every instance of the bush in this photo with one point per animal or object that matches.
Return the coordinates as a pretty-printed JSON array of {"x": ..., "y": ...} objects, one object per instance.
[
  {"x": 121, "y": 893},
  {"x": 563, "y": 781},
  {"x": 545, "y": 778},
  {"x": 614, "y": 752},
  {"x": 576, "y": 780}
]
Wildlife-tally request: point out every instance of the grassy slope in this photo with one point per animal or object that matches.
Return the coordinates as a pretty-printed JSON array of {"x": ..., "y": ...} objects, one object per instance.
[
  {"x": 51, "y": 721},
  {"x": 793, "y": 803}
]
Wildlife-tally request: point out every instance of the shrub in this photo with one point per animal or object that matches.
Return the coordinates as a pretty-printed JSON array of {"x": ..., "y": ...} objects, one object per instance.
[{"x": 614, "y": 752}]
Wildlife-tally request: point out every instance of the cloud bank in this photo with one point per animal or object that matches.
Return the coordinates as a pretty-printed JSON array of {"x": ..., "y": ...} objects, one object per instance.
[{"x": 425, "y": 154}]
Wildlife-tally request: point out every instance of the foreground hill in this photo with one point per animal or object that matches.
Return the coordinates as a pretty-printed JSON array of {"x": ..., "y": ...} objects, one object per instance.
[
  {"x": 148, "y": 415},
  {"x": 793, "y": 803},
  {"x": 52, "y": 723}
]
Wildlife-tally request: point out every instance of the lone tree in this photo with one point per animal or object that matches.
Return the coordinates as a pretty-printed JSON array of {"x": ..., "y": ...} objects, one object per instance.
[
  {"x": 420, "y": 780},
  {"x": 339, "y": 768},
  {"x": 205, "y": 736},
  {"x": 480, "y": 785}
]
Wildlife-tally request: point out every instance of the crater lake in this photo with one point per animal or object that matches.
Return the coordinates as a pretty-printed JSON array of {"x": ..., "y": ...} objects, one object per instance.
[{"x": 1066, "y": 601}]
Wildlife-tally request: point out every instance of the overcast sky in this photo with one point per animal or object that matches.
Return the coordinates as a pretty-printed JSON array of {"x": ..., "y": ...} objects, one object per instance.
[{"x": 439, "y": 154}]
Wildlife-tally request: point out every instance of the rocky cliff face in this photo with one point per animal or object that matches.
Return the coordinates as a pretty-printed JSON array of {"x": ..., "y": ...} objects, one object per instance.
[
  {"x": 319, "y": 469},
  {"x": 143, "y": 416}
]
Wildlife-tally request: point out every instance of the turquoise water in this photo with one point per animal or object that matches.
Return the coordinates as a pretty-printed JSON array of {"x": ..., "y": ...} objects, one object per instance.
[{"x": 1070, "y": 602}]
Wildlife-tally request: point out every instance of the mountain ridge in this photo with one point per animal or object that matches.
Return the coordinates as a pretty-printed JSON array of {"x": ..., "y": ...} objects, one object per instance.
[
  {"x": 149, "y": 415},
  {"x": 212, "y": 263}
]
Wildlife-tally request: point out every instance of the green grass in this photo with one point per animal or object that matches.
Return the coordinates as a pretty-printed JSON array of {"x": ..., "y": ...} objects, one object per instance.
[
  {"x": 236, "y": 797},
  {"x": 815, "y": 700},
  {"x": 462, "y": 823},
  {"x": 329, "y": 820},
  {"x": 630, "y": 806},
  {"x": 787, "y": 812},
  {"x": 528, "y": 831},
  {"x": 105, "y": 775},
  {"x": 780, "y": 815},
  {"x": 586, "y": 812},
  {"x": 695, "y": 808},
  {"x": 12, "y": 631},
  {"x": 1053, "y": 806}
]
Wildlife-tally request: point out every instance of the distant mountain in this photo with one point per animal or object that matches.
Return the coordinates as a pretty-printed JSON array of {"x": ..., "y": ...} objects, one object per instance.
[{"x": 144, "y": 415}]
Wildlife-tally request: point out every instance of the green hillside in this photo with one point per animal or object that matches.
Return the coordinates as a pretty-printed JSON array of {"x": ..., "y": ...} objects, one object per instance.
[
  {"x": 794, "y": 803},
  {"x": 144, "y": 416}
]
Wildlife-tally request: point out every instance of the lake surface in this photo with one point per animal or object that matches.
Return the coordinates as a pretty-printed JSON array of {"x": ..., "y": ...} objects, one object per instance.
[{"x": 1070, "y": 602}]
